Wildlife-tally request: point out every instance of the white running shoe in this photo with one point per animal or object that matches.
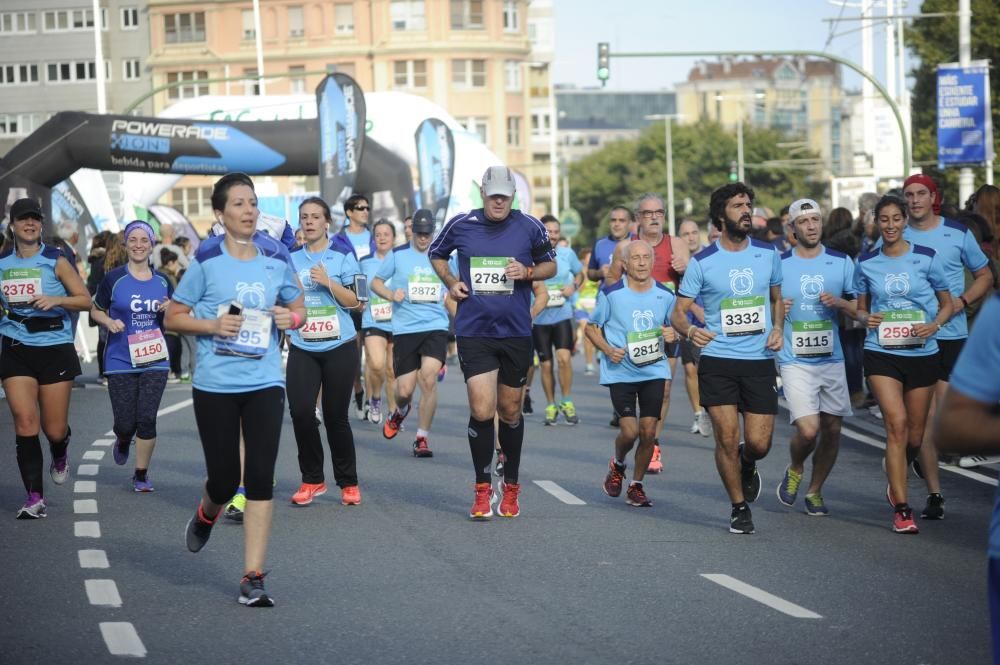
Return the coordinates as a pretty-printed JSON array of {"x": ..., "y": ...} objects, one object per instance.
[
  {"x": 971, "y": 461},
  {"x": 704, "y": 423}
]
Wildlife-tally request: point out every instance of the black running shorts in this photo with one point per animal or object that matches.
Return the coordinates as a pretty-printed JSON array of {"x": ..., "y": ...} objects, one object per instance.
[
  {"x": 648, "y": 394},
  {"x": 45, "y": 364},
  {"x": 512, "y": 356},
  {"x": 559, "y": 334},
  {"x": 911, "y": 371},
  {"x": 748, "y": 384},
  {"x": 408, "y": 350}
]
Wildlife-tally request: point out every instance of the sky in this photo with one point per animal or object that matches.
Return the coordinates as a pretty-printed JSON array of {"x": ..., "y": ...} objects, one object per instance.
[{"x": 699, "y": 25}]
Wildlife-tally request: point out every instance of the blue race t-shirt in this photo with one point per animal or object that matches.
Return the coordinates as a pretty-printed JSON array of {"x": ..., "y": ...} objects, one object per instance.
[
  {"x": 251, "y": 360},
  {"x": 136, "y": 303},
  {"x": 602, "y": 252},
  {"x": 363, "y": 243},
  {"x": 633, "y": 321},
  {"x": 378, "y": 312},
  {"x": 328, "y": 325},
  {"x": 903, "y": 289},
  {"x": 559, "y": 307},
  {"x": 812, "y": 330},
  {"x": 422, "y": 308},
  {"x": 496, "y": 307},
  {"x": 735, "y": 288},
  {"x": 23, "y": 280}
]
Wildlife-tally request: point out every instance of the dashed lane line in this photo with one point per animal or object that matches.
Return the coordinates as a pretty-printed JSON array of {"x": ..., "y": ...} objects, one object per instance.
[
  {"x": 121, "y": 639},
  {"x": 92, "y": 558},
  {"x": 762, "y": 597},
  {"x": 103, "y": 442},
  {"x": 87, "y": 529},
  {"x": 87, "y": 470},
  {"x": 85, "y": 506},
  {"x": 84, "y": 486},
  {"x": 95, "y": 455},
  {"x": 559, "y": 493},
  {"x": 103, "y": 592}
]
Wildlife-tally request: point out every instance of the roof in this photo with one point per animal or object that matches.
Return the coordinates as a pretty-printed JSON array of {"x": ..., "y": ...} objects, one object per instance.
[{"x": 758, "y": 68}]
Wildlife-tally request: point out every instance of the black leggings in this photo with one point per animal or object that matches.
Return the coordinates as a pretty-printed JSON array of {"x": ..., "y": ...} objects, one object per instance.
[
  {"x": 219, "y": 417},
  {"x": 135, "y": 399},
  {"x": 334, "y": 371},
  {"x": 174, "y": 351}
]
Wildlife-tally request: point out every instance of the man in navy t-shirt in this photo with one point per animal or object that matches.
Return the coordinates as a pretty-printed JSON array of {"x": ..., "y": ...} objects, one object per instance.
[{"x": 500, "y": 252}]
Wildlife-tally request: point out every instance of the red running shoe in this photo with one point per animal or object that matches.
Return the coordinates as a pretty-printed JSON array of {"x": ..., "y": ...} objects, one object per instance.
[
  {"x": 902, "y": 521},
  {"x": 482, "y": 508},
  {"x": 420, "y": 448},
  {"x": 509, "y": 506},
  {"x": 656, "y": 463},
  {"x": 635, "y": 496},
  {"x": 613, "y": 481},
  {"x": 392, "y": 424}
]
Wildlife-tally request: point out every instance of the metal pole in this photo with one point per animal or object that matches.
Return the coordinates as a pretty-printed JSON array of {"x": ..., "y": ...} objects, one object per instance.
[
  {"x": 671, "y": 221},
  {"x": 102, "y": 98},
  {"x": 739, "y": 148},
  {"x": 966, "y": 179},
  {"x": 258, "y": 39}
]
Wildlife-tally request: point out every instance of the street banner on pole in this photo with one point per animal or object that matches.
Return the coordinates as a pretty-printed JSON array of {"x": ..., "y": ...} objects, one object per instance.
[{"x": 964, "y": 122}]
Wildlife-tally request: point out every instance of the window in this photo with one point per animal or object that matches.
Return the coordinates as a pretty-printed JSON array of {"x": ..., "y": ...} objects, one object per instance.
[
  {"x": 130, "y": 18},
  {"x": 466, "y": 14},
  {"x": 65, "y": 20},
  {"x": 298, "y": 79},
  {"x": 408, "y": 74},
  {"x": 513, "y": 130},
  {"x": 192, "y": 201},
  {"x": 248, "y": 28},
  {"x": 511, "y": 20},
  {"x": 19, "y": 124},
  {"x": 343, "y": 18},
  {"x": 512, "y": 75},
  {"x": 194, "y": 86},
  {"x": 478, "y": 125},
  {"x": 407, "y": 15},
  {"x": 67, "y": 72},
  {"x": 251, "y": 84},
  {"x": 468, "y": 73},
  {"x": 107, "y": 70},
  {"x": 182, "y": 28},
  {"x": 130, "y": 69},
  {"x": 14, "y": 74},
  {"x": 14, "y": 23},
  {"x": 296, "y": 22},
  {"x": 541, "y": 124}
]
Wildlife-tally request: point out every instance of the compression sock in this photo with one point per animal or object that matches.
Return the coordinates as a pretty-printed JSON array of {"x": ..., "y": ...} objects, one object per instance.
[
  {"x": 29, "y": 462},
  {"x": 511, "y": 438},
  {"x": 481, "y": 446}
]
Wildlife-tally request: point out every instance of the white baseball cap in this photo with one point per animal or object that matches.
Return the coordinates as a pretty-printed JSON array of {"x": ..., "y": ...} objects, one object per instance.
[
  {"x": 498, "y": 181},
  {"x": 803, "y": 207}
]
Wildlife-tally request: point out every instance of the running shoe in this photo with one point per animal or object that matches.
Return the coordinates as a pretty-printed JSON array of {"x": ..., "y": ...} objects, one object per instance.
[
  {"x": 141, "y": 485},
  {"x": 350, "y": 496},
  {"x": 392, "y": 424},
  {"x": 614, "y": 420},
  {"x": 694, "y": 425},
  {"x": 498, "y": 468},
  {"x": 318, "y": 415},
  {"x": 234, "y": 509},
  {"x": 199, "y": 528},
  {"x": 443, "y": 372},
  {"x": 305, "y": 494},
  {"x": 509, "y": 507},
  {"x": 875, "y": 411},
  {"x": 185, "y": 377},
  {"x": 375, "y": 410},
  {"x": 902, "y": 520},
  {"x": 120, "y": 450},
  {"x": 741, "y": 521},
  {"x": 526, "y": 407},
  {"x": 33, "y": 508},
  {"x": 551, "y": 413},
  {"x": 635, "y": 496},
  {"x": 934, "y": 509},
  {"x": 917, "y": 470},
  {"x": 569, "y": 412},
  {"x": 750, "y": 478},
  {"x": 971, "y": 461},
  {"x": 613, "y": 481},
  {"x": 704, "y": 423},
  {"x": 421, "y": 449},
  {"x": 359, "y": 405},
  {"x": 59, "y": 469},
  {"x": 173, "y": 378},
  {"x": 656, "y": 463},
  {"x": 252, "y": 593},
  {"x": 788, "y": 489},
  {"x": 589, "y": 370},
  {"x": 482, "y": 508},
  {"x": 815, "y": 506}
]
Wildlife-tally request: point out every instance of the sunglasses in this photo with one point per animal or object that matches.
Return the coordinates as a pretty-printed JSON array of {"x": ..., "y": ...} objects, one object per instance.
[{"x": 362, "y": 208}]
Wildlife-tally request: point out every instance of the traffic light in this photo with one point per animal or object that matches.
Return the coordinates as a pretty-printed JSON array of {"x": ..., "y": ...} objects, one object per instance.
[
  {"x": 603, "y": 62},
  {"x": 733, "y": 171}
]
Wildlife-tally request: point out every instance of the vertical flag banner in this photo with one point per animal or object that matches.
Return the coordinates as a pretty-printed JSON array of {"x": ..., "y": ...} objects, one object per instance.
[
  {"x": 341, "y": 114},
  {"x": 964, "y": 122},
  {"x": 435, "y": 166}
]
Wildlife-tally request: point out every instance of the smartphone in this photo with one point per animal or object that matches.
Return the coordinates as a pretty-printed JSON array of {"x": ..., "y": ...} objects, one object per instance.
[
  {"x": 361, "y": 287},
  {"x": 235, "y": 309}
]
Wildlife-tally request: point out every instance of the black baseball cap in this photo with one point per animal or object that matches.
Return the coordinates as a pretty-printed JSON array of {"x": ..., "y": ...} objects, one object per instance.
[
  {"x": 423, "y": 221},
  {"x": 22, "y": 208}
]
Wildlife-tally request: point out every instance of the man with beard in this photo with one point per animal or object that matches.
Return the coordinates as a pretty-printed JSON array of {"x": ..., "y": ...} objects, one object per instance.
[
  {"x": 818, "y": 283},
  {"x": 739, "y": 280}
]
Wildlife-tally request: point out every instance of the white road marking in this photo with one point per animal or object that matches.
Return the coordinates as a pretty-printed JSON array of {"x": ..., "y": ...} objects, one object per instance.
[
  {"x": 87, "y": 529},
  {"x": 103, "y": 592},
  {"x": 85, "y": 506},
  {"x": 92, "y": 558},
  {"x": 87, "y": 470},
  {"x": 175, "y": 407},
  {"x": 560, "y": 493},
  {"x": 103, "y": 442},
  {"x": 85, "y": 486},
  {"x": 96, "y": 455},
  {"x": 121, "y": 639},
  {"x": 761, "y": 596}
]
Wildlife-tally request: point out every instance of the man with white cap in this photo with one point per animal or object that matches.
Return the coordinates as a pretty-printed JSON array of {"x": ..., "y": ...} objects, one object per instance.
[
  {"x": 500, "y": 253},
  {"x": 818, "y": 284}
]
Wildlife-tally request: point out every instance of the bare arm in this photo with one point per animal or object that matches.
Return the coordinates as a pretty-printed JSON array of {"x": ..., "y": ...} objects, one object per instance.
[
  {"x": 982, "y": 282},
  {"x": 776, "y": 338},
  {"x": 680, "y": 255},
  {"x": 379, "y": 289},
  {"x": 541, "y": 299},
  {"x": 966, "y": 426},
  {"x": 101, "y": 318},
  {"x": 596, "y": 336},
  {"x": 78, "y": 299},
  {"x": 179, "y": 319}
]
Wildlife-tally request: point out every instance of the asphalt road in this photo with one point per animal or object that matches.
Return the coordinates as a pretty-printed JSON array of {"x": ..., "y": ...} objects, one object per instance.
[{"x": 407, "y": 578}]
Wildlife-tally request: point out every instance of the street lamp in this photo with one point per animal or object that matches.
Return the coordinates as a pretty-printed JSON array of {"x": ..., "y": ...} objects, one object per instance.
[
  {"x": 667, "y": 119},
  {"x": 739, "y": 128}
]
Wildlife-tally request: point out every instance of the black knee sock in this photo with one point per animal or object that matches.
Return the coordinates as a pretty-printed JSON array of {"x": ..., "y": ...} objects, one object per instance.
[
  {"x": 58, "y": 448},
  {"x": 29, "y": 462},
  {"x": 511, "y": 438},
  {"x": 481, "y": 446}
]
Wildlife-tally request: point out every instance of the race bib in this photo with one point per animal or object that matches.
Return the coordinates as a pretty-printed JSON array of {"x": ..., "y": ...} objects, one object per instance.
[
  {"x": 21, "y": 285},
  {"x": 489, "y": 277},
  {"x": 322, "y": 324},
  {"x": 424, "y": 289},
  {"x": 147, "y": 347},
  {"x": 381, "y": 309},
  {"x": 896, "y": 329},
  {"x": 586, "y": 303},
  {"x": 556, "y": 297},
  {"x": 362, "y": 251},
  {"x": 646, "y": 347},
  {"x": 253, "y": 338},
  {"x": 743, "y": 316},
  {"x": 812, "y": 339}
]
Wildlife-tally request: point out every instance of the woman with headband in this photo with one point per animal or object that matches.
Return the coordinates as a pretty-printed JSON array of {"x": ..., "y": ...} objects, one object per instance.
[{"x": 129, "y": 303}]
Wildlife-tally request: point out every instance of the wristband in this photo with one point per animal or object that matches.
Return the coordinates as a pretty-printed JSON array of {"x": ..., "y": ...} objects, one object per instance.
[{"x": 296, "y": 320}]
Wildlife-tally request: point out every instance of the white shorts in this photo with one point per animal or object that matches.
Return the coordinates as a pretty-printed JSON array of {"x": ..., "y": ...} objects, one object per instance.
[{"x": 814, "y": 389}]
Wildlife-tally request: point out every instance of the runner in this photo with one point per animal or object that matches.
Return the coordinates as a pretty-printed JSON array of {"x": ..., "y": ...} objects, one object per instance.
[
  {"x": 739, "y": 280},
  {"x": 236, "y": 298},
  {"x": 554, "y": 328},
  {"x": 38, "y": 289},
  {"x": 690, "y": 353},
  {"x": 903, "y": 300},
  {"x": 501, "y": 251},
  {"x": 600, "y": 256},
  {"x": 419, "y": 329},
  {"x": 629, "y": 325},
  {"x": 586, "y": 300},
  {"x": 323, "y": 356},
  {"x": 376, "y": 328},
  {"x": 818, "y": 284},
  {"x": 129, "y": 303}
]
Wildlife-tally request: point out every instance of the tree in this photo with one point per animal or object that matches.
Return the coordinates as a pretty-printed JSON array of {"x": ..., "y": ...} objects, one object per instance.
[{"x": 935, "y": 41}]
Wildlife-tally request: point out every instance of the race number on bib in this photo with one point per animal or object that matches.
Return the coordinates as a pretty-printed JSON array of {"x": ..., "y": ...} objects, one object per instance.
[
  {"x": 322, "y": 324},
  {"x": 896, "y": 329},
  {"x": 812, "y": 339},
  {"x": 253, "y": 339},
  {"x": 743, "y": 316},
  {"x": 556, "y": 297},
  {"x": 489, "y": 277},
  {"x": 381, "y": 309},
  {"x": 424, "y": 289},
  {"x": 21, "y": 285},
  {"x": 147, "y": 347},
  {"x": 646, "y": 347}
]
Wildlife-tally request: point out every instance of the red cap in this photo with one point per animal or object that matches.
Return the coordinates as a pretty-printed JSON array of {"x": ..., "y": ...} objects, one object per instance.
[{"x": 926, "y": 181}]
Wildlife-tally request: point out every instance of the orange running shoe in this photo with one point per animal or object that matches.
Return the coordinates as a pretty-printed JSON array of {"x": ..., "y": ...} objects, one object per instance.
[
  {"x": 656, "y": 463},
  {"x": 392, "y": 424},
  {"x": 350, "y": 496},
  {"x": 509, "y": 506},
  {"x": 307, "y": 492},
  {"x": 482, "y": 508}
]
